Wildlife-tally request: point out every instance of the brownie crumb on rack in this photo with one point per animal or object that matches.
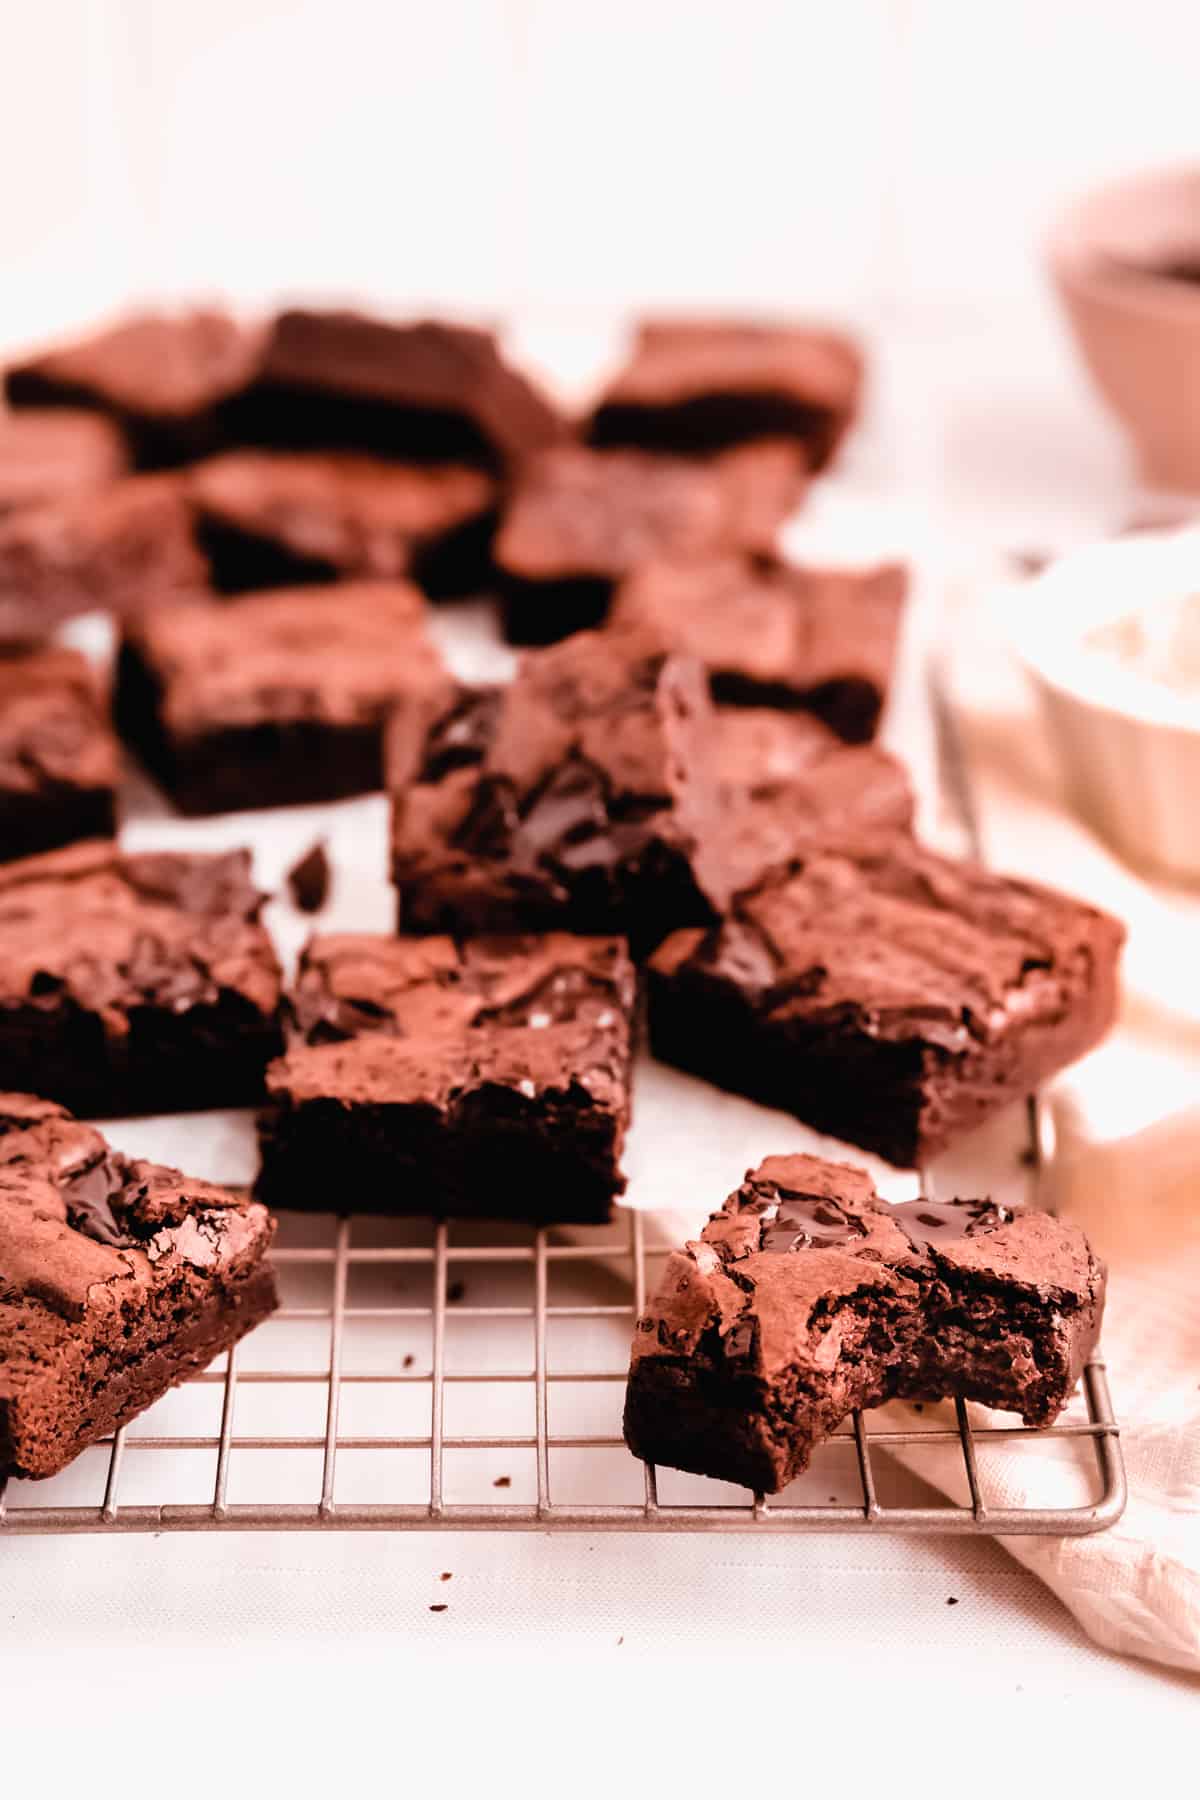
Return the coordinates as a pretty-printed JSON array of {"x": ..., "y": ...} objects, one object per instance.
[
  {"x": 308, "y": 879},
  {"x": 456, "y": 1292},
  {"x": 502, "y": 1481}
]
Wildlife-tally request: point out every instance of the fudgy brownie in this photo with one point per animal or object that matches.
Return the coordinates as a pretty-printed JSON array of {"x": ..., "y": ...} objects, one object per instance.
[
  {"x": 486, "y": 1078},
  {"x": 773, "y": 635},
  {"x": 118, "y": 1279},
  {"x": 135, "y": 983},
  {"x": 161, "y": 377},
  {"x": 889, "y": 996},
  {"x": 790, "y": 782},
  {"x": 583, "y": 796},
  {"x": 58, "y": 758},
  {"x": 116, "y": 549},
  {"x": 426, "y": 391},
  {"x": 578, "y": 521},
  {"x": 701, "y": 385},
  {"x": 808, "y": 1297},
  {"x": 51, "y": 455},
  {"x": 273, "y": 518},
  {"x": 277, "y": 700}
]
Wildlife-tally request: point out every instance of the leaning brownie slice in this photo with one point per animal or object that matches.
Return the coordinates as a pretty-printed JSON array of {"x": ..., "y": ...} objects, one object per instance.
[
  {"x": 279, "y": 700},
  {"x": 807, "y": 1297},
  {"x": 58, "y": 758},
  {"x": 488, "y": 1078},
  {"x": 583, "y": 796},
  {"x": 118, "y": 1279},
  {"x": 579, "y": 521},
  {"x": 277, "y": 518},
  {"x": 886, "y": 995},
  {"x": 135, "y": 983},
  {"x": 772, "y": 634},
  {"x": 695, "y": 386}
]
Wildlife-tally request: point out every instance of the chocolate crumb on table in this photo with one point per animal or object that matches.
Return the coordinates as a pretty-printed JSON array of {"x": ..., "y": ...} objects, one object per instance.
[
  {"x": 308, "y": 879},
  {"x": 695, "y": 386},
  {"x": 58, "y": 758},
  {"x": 118, "y": 1279},
  {"x": 808, "y": 1297},
  {"x": 278, "y": 700},
  {"x": 502, "y": 1481},
  {"x": 136, "y": 983},
  {"x": 484, "y": 1079},
  {"x": 439, "y": 1607},
  {"x": 886, "y": 995},
  {"x": 578, "y": 521}
]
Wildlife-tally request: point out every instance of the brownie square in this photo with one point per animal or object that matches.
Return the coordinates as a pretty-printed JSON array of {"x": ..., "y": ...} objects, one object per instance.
[
  {"x": 118, "y": 1280},
  {"x": 58, "y": 758},
  {"x": 274, "y": 518},
  {"x": 278, "y": 700},
  {"x": 579, "y": 521},
  {"x": 135, "y": 983},
  {"x": 423, "y": 391},
  {"x": 771, "y": 634},
  {"x": 160, "y": 377},
  {"x": 115, "y": 549},
  {"x": 891, "y": 997},
  {"x": 584, "y": 796},
  {"x": 808, "y": 1297},
  {"x": 51, "y": 455},
  {"x": 489, "y": 1078},
  {"x": 697, "y": 386}
]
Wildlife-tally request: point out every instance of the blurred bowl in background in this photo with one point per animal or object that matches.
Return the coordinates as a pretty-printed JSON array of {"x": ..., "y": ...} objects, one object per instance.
[
  {"x": 1110, "y": 638},
  {"x": 1126, "y": 263}
]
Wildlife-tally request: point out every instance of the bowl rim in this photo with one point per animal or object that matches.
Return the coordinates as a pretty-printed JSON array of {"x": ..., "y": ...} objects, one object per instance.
[{"x": 1129, "y": 287}]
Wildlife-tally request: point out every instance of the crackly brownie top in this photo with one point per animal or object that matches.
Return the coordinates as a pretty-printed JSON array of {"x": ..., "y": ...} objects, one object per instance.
[
  {"x": 770, "y": 622},
  {"x": 422, "y": 364},
  {"x": 581, "y": 512},
  {"x": 801, "y": 1235},
  {"x": 109, "y": 932},
  {"x": 596, "y": 750},
  {"x": 342, "y": 653},
  {"x": 675, "y": 360},
  {"x": 890, "y": 939},
  {"x": 355, "y": 512},
  {"x": 49, "y": 454},
  {"x": 157, "y": 365},
  {"x": 85, "y": 1229},
  {"x": 109, "y": 546},
  {"x": 51, "y": 727},
  {"x": 395, "y": 1019}
]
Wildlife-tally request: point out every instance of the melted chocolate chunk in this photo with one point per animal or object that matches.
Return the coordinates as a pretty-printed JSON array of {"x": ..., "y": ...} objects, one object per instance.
[
  {"x": 88, "y": 1194},
  {"x": 554, "y": 1001},
  {"x": 462, "y": 735},
  {"x": 926, "y": 1222},
  {"x": 798, "y": 1221}
]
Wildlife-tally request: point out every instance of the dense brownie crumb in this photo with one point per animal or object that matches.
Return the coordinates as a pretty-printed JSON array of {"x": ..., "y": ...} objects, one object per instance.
[
  {"x": 808, "y": 1297},
  {"x": 118, "y": 1279},
  {"x": 58, "y": 759},
  {"x": 135, "y": 983},
  {"x": 771, "y": 634},
  {"x": 54, "y": 455},
  {"x": 889, "y": 996},
  {"x": 162, "y": 378},
  {"x": 488, "y": 1078},
  {"x": 308, "y": 880},
  {"x": 271, "y": 519},
  {"x": 578, "y": 521},
  {"x": 698, "y": 386},
  {"x": 277, "y": 700}
]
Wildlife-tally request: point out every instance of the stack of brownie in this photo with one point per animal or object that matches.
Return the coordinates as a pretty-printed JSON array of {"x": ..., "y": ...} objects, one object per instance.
[{"x": 678, "y": 802}]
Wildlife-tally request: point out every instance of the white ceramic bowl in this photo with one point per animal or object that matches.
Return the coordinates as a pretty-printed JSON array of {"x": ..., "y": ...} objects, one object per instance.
[{"x": 1129, "y": 744}]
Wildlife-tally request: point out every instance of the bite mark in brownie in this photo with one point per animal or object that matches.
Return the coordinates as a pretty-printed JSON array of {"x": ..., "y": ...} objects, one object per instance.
[
  {"x": 53, "y": 454},
  {"x": 118, "y": 1279},
  {"x": 136, "y": 983},
  {"x": 423, "y": 391},
  {"x": 162, "y": 378},
  {"x": 807, "y": 1297},
  {"x": 773, "y": 634},
  {"x": 58, "y": 758},
  {"x": 276, "y": 518},
  {"x": 485, "y": 1078},
  {"x": 578, "y": 521},
  {"x": 279, "y": 699},
  {"x": 698, "y": 386},
  {"x": 889, "y": 996}
]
